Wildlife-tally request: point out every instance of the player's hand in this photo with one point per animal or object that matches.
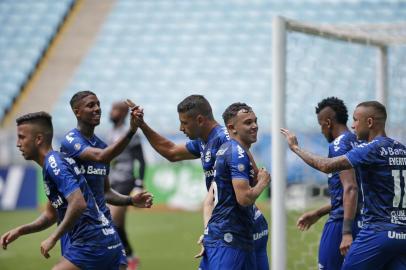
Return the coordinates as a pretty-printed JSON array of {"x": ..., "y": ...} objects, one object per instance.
[
  {"x": 9, "y": 237},
  {"x": 137, "y": 115},
  {"x": 307, "y": 220},
  {"x": 47, "y": 245},
  {"x": 143, "y": 199},
  {"x": 264, "y": 176},
  {"x": 200, "y": 243},
  {"x": 346, "y": 242},
  {"x": 290, "y": 138}
]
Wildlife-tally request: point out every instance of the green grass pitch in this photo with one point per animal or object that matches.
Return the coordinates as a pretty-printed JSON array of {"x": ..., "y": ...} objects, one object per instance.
[{"x": 162, "y": 239}]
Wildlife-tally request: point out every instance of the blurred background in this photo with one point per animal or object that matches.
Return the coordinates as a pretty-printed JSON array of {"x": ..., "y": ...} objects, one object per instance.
[{"x": 157, "y": 52}]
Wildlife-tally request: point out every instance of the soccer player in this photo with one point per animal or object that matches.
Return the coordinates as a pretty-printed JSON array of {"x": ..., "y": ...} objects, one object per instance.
[
  {"x": 93, "y": 242},
  {"x": 332, "y": 117},
  {"x": 228, "y": 237},
  {"x": 122, "y": 174},
  {"x": 93, "y": 155},
  {"x": 381, "y": 164},
  {"x": 206, "y": 136}
]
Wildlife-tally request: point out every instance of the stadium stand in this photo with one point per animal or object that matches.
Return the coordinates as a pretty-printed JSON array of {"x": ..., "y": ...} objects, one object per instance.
[
  {"x": 27, "y": 27},
  {"x": 156, "y": 52}
]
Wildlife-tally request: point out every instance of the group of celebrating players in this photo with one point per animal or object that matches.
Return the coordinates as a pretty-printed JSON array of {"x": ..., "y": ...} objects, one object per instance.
[{"x": 365, "y": 230}]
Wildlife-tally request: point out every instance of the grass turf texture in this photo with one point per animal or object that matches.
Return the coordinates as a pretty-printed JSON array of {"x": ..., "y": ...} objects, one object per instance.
[{"x": 162, "y": 239}]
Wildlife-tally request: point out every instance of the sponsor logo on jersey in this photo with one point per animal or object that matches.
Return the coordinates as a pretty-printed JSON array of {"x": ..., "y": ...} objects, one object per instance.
[
  {"x": 69, "y": 137},
  {"x": 257, "y": 236},
  {"x": 396, "y": 235},
  {"x": 53, "y": 164},
  {"x": 70, "y": 160},
  {"x": 221, "y": 152},
  {"x": 228, "y": 237},
  {"x": 336, "y": 142},
  {"x": 398, "y": 217},
  {"x": 240, "y": 152},
  {"x": 96, "y": 171},
  {"x": 58, "y": 202},
  {"x": 46, "y": 189},
  {"x": 209, "y": 173},
  {"x": 208, "y": 156}
]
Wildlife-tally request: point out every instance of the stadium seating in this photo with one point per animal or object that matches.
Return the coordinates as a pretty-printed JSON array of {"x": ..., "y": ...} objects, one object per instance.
[
  {"x": 26, "y": 29},
  {"x": 157, "y": 52}
]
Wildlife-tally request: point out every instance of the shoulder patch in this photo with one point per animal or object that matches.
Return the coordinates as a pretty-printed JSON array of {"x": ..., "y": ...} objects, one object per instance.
[{"x": 77, "y": 146}]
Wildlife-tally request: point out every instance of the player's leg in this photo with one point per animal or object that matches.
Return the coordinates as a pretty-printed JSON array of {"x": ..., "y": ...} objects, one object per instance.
[
  {"x": 118, "y": 214},
  {"x": 329, "y": 248},
  {"x": 65, "y": 264}
]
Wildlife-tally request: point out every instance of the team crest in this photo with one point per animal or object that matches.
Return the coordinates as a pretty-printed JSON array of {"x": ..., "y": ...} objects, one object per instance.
[
  {"x": 228, "y": 237},
  {"x": 77, "y": 146},
  {"x": 241, "y": 167}
]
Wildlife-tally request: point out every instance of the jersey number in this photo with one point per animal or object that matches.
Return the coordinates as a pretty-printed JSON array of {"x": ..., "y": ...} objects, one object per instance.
[{"x": 398, "y": 191}]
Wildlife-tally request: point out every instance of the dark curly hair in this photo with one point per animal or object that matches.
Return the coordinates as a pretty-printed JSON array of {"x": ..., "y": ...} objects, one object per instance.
[{"x": 337, "y": 105}]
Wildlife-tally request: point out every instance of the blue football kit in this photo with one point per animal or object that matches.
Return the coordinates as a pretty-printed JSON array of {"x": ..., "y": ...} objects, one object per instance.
[
  {"x": 330, "y": 257},
  {"x": 73, "y": 144},
  {"x": 381, "y": 243},
  {"x": 93, "y": 243},
  {"x": 229, "y": 233},
  {"x": 207, "y": 153}
]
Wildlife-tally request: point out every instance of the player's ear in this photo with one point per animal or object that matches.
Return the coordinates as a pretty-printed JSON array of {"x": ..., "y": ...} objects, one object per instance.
[
  {"x": 39, "y": 139},
  {"x": 230, "y": 128},
  {"x": 199, "y": 119},
  {"x": 370, "y": 122},
  {"x": 328, "y": 122}
]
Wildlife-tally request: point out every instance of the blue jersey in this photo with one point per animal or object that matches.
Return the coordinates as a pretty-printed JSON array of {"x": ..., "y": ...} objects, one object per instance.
[
  {"x": 207, "y": 150},
  {"x": 95, "y": 173},
  {"x": 381, "y": 164},
  {"x": 230, "y": 224},
  {"x": 340, "y": 146},
  {"x": 61, "y": 178}
]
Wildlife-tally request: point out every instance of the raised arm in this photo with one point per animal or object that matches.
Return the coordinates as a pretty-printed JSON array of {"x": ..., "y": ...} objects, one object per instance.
[
  {"x": 350, "y": 200},
  {"x": 44, "y": 221},
  {"x": 247, "y": 195},
  {"x": 76, "y": 206},
  {"x": 169, "y": 150},
  {"x": 107, "y": 154},
  {"x": 326, "y": 165}
]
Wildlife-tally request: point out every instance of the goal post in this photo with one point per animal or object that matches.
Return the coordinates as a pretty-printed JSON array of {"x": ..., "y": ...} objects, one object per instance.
[{"x": 360, "y": 35}]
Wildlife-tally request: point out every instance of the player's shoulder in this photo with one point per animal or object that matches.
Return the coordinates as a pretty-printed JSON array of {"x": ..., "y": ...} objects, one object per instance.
[
  {"x": 54, "y": 163},
  {"x": 237, "y": 150},
  {"x": 71, "y": 138}
]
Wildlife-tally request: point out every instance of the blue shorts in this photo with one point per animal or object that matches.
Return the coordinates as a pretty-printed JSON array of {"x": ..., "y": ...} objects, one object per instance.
[
  {"x": 261, "y": 243},
  {"x": 220, "y": 258},
  {"x": 65, "y": 243},
  {"x": 376, "y": 250},
  {"x": 91, "y": 257},
  {"x": 330, "y": 257}
]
